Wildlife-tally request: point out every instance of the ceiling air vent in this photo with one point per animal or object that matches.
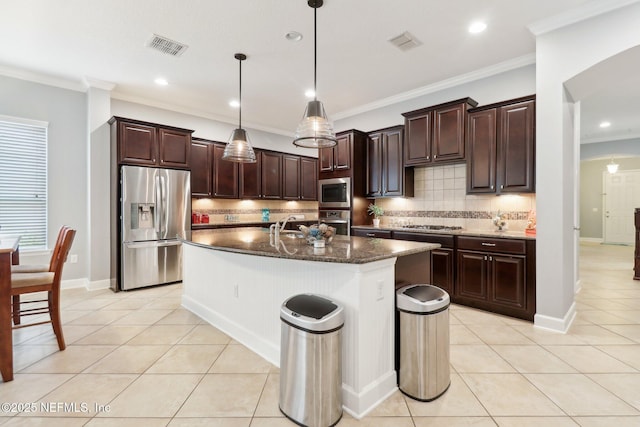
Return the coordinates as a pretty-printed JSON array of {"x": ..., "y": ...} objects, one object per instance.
[
  {"x": 165, "y": 45},
  {"x": 405, "y": 41}
]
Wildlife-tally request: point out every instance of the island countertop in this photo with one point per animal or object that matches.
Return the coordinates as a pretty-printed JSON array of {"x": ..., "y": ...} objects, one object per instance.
[{"x": 343, "y": 249}]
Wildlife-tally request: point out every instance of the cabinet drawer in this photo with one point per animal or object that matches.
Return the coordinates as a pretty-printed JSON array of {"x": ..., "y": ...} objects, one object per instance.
[
  {"x": 508, "y": 246},
  {"x": 444, "y": 240},
  {"x": 382, "y": 234}
]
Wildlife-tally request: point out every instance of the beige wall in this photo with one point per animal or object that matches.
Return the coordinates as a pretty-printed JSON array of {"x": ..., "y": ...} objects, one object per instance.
[{"x": 591, "y": 177}]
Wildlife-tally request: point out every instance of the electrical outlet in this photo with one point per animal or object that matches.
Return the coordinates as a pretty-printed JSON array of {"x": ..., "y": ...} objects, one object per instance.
[
  {"x": 73, "y": 259},
  {"x": 236, "y": 290},
  {"x": 379, "y": 295}
]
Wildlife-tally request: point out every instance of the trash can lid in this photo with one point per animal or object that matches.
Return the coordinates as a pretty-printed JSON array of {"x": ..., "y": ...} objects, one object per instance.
[
  {"x": 312, "y": 313},
  {"x": 422, "y": 298}
]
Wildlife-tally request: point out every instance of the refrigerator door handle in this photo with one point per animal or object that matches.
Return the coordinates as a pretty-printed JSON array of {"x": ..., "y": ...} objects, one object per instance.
[
  {"x": 153, "y": 244},
  {"x": 158, "y": 205},
  {"x": 163, "y": 205}
]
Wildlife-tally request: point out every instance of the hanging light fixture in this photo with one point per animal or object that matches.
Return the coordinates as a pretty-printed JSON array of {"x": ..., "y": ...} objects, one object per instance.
[
  {"x": 315, "y": 130},
  {"x": 239, "y": 148},
  {"x": 612, "y": 167}
]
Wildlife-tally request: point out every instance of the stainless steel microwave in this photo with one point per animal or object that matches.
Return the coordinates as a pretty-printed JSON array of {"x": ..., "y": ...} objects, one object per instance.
[{"x": 334, "y": 193}]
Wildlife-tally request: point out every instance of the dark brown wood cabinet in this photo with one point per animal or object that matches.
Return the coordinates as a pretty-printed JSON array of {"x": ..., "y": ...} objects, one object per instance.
[
  {"x": 201, "y": 169},
  {"x": 308, "y": 178},
  {"x": 271, "y": 175},
  {"x": 343, "y": 159},
  {"x": 496, "y": 275},
  {"x": 290, "y": 177},
  {"x": 225, "y": 174},
  {"x": 250, "y": 186},
  {"x": 501, "y": 147},
  {"x": 442, "y": 259},
  {"x": 436, "y": 135},
  {"x": 386, "y": 175},
  {"x": 636, "y": 268},
  {"x": 150, "y": 144}
]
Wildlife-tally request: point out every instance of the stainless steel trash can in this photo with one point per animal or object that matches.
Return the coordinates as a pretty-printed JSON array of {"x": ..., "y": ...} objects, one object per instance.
[
  {"x": 311, "y": 360},
  {"x": 424, "y": 341}
]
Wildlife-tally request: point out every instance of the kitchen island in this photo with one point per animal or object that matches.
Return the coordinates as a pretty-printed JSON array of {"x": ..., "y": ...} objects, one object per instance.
[{"x": 237, "y": 279}]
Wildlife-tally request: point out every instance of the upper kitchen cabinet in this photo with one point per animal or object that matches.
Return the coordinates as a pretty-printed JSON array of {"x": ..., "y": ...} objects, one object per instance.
[
  {"x": 251, "y": 178},
  {"x": 299, "y": 177},
  {"x": 308, "y": 178},
  {"x": 225, "y": 174},
  {"x": 338, "y": 161},
  {"x": 149, "y": 144},
  {"x": 386, "y": 175},
  {"x": 201, "y": 169},
  {"x": 501, "y": 147},
  {"x": 271, "y": 171},
  {"x": 436, "y": 135}
]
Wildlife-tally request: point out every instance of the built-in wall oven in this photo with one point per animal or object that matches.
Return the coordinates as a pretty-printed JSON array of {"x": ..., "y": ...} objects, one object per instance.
[
  {"x": 334, "y": 193},
  {"x": 339, "y": 219}
]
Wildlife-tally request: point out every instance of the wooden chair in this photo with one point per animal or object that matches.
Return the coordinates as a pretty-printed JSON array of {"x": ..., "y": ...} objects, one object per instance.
[
  {"x": 47, "y": 281},
  {"x": 38, "y": 268}
]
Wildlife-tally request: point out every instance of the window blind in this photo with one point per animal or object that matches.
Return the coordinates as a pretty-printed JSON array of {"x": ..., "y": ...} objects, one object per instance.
[{"x": 23, "y": 182}]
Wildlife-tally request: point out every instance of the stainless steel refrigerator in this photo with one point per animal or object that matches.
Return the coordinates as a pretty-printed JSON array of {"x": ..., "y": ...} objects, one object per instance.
[{"x": 155, "y": 211}]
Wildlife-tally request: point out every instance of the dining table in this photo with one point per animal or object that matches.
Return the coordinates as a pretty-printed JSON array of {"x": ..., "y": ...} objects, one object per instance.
[{"x": 8, "y": 255}]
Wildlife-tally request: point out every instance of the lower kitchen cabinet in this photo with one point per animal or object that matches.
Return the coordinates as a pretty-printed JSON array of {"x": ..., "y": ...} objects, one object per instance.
[
  {"x": 442, "y": 259},
  {"x": 497, "y": 275},
  {"x": 371, "y": 232}
]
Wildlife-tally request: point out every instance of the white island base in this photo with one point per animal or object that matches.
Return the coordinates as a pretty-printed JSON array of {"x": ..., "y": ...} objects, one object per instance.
[{"x": 242, "y": 294}]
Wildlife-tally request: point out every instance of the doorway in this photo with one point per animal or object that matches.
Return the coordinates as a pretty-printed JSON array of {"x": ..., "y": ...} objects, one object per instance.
[{"x": 620, "y": 198}]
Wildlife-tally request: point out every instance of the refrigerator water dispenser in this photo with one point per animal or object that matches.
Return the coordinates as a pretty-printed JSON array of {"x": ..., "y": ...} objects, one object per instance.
[{"x": 142, "y": 215}]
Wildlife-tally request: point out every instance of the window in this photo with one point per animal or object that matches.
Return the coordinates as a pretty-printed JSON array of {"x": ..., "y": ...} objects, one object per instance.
[{"x": 23, "y": 181}]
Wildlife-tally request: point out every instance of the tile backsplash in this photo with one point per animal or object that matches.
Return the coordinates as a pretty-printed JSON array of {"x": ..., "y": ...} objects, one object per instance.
[
  {"x": 440, "y": 199},
  {"x": 225, "y": 211}
]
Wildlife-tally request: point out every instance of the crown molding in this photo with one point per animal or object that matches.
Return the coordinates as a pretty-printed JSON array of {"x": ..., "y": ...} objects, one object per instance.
[
  {"x": 578, "y": 14},
  {"x": 90, "y": 82},
  {"x": 610, "y": 138},
  {"x": 45, "y": 79},
  {"x": 197, "y": 113},
  {"x": 489, "y": 71}
]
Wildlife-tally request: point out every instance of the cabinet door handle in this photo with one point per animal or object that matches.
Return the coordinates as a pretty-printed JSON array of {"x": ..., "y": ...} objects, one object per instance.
[
  {"x": 501, "y": 187},
  {"x": 492, "y": 187},
  {"x": 490, "y": 258},
  {"x": 427, "y": 157},
  {"x": 435, "y": 156},
  {"x": 371, "y": 235},
  {"x": 488, "y": 244},
  {"x": 485, "y": 257}
]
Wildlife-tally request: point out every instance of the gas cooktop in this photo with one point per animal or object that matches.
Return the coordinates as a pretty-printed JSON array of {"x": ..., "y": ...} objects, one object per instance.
[{"x": 433, "y": 227}]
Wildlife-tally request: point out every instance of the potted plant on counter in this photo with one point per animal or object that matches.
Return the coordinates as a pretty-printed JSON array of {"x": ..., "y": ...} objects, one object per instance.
[{"x": 377, "y": 212}]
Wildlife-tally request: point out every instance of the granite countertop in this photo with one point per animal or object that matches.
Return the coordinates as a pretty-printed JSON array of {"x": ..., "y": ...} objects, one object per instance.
[
  {"x": 464, "y": 232},
  {"x": 343, "y": 249}
]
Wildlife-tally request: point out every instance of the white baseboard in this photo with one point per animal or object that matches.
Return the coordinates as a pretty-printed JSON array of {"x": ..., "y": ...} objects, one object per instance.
[
  {"x": 86, "y": 284},
  {"x": 554, "y": 323},
  {"x": 74, "y": 283},
  {"x": 591, "y": 239},
  {"x": 358, "y": 405}
]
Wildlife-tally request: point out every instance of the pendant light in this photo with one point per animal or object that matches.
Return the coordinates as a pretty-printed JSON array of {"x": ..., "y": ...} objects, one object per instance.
[
  {"x": 315, "y": 130},
  {"x": 612, "y": 167},
  {"x": 239, "y": 148}
]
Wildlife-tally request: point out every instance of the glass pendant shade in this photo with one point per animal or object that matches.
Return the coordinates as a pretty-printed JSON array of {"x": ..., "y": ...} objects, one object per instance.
[
  {"x": 612, "y": 167},
  {"x": 315, "y": 129},
  {"x": 239, "y": 148}
]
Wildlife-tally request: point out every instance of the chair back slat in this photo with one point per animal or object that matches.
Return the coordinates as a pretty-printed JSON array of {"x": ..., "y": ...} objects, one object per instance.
[
  {"x": 61, "y": 255},
  {"x": 57, "y": 247}
]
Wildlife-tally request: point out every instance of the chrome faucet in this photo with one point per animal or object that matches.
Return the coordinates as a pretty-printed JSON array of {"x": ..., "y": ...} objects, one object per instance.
[{"x": 276, "y": 228}]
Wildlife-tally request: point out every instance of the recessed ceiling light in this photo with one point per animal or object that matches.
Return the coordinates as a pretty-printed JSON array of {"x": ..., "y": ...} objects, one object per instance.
[
  {"x": 605, "y": 124},
  {"x": 309, "y": 93},
  {"x": 293, "y": 36},
  {"x": 477, "y": 27},
  {"x": 161, "y": 81},
  {"x": 234, "y": 103}
]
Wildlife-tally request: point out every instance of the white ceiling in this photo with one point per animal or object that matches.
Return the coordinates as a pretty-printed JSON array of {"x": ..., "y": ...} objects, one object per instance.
[{"x": 71, "y": 41}]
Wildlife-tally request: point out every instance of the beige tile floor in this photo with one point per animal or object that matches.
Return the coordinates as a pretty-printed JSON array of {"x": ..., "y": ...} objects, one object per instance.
[{"x": 138, "y": 359}]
